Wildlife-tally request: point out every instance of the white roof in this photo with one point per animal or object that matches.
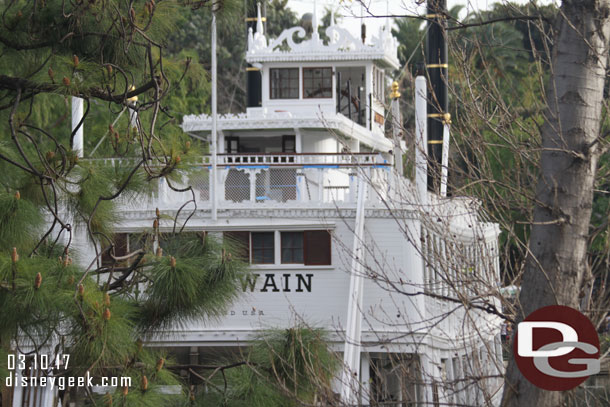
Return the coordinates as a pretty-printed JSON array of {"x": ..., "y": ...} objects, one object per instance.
[
  {"x": 285, "y": 120},
  {"x": 342, "y": 46}
]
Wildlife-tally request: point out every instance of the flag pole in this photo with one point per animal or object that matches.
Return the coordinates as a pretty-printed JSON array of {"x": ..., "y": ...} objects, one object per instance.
[{"x": 214, "y": 187}]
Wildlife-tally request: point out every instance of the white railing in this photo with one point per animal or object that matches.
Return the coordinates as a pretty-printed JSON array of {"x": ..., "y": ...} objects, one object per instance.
[
  {"x": 276, "y": 178},
  {"x": 273, "y": 178},
  {"x": 287, "y": 159}
]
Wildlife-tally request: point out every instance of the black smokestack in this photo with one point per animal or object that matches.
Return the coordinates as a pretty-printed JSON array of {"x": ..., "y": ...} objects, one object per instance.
[
  {"x": 254, "y": 80},
  {"x": 436, "y": 66}
]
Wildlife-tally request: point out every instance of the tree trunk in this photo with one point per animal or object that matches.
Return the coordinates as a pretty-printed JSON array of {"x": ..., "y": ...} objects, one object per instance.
[{"x": 557, "y": 260}]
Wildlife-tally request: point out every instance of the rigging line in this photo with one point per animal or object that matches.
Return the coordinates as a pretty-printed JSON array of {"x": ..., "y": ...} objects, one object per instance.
[
  {"x": 420, "y": 44},
  {"x": 108, "y": 131}
]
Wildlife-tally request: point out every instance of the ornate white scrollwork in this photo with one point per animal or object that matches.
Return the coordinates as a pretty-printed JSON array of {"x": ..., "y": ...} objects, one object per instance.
[
  {"x": 342, "y": 45},
  {"x": 287, "y": 36}
]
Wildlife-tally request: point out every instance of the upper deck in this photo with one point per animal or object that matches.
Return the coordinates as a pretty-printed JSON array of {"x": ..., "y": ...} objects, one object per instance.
[{"x": 304, "y": 82}]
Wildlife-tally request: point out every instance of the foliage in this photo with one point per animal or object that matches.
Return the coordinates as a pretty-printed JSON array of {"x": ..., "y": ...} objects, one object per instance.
[
  {"x": 109, "y": 53},
  {"x": 195, "y": 36},
  {"x": 106, "y": 53},
  {"x": 288, "y": 367}
]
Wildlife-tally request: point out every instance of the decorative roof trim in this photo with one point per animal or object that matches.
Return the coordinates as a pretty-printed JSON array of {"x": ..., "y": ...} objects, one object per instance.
[{"x": 341, "y": 46}]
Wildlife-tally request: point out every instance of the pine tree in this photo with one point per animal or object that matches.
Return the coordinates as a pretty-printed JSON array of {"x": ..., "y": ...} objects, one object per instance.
[{"x": 106, "y": 52}]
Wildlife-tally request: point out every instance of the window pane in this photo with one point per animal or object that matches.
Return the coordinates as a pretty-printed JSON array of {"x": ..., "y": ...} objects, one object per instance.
[
  {"x": 284, "y": 83},
  {"x": 263, "y": 248},
  {"x": 292, "y": 247},
  {"x": 317, "y": 82}
]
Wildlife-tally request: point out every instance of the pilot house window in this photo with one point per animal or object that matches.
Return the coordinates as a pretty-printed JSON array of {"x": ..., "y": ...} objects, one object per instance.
[
  {"x": 317, "y": 83},
  {"x": 284, "y": 83}
]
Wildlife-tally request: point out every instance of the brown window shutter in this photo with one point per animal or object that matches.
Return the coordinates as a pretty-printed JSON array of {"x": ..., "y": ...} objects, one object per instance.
[
  {"x": 240, "y": 242},
  {"x": 316, "y": 246}
]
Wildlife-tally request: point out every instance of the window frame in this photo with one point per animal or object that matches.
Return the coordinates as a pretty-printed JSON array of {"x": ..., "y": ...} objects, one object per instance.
[
  {"x": 298, "y": 81},
  {"x": 272, "y": 248},
  {"x": 293, "y": 249},
  {"x": 311, "y": 68},
  {"x": 308, "y": 262}
]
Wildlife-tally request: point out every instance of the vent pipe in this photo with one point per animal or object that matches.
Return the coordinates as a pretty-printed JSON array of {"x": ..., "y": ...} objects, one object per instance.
[
  {"x": 254, "y": 79},
  {"x": 437, "y": 69}
]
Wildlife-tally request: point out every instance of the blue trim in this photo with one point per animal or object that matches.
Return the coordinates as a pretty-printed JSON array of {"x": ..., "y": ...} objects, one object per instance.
[{"x": 320, "y": 166}]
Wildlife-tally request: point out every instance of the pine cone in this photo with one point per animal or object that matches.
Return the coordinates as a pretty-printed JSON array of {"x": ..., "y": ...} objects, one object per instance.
[
  {"x": 172, "y": 262},
  {"x": 75, "y": 60},
  {"x": 159, "y": 252},
  {"x": 38, "y": 280},
  {"x": 81, "y": 290},
  {"x": 50, "y": 155},
  {"x": 187, "y": 144},
  {"x": 109, "y": 69},
  {"x": 17, "y": 195},
  {"x": 14, "y": 255},
  {"x": 106, "y": 314},
  {"x": 66, "y": 81},
  {"x": 132, "y": 12},
  {"x": 156, "y": 224},
  {"x": 125, "y": 390},
  {"x": 160, "y": 364},
  {"x": 144, "y": 383},
  {"x": 178, "y": 159},
  {"x": 107, "y": 299},
  {"x": 51, "y": 74},
  {"x": 157, "y": 212}
]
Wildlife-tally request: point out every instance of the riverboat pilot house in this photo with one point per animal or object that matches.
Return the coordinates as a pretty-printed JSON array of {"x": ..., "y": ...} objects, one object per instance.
[{"x": 311, "y": 182}]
